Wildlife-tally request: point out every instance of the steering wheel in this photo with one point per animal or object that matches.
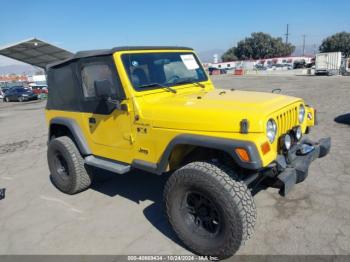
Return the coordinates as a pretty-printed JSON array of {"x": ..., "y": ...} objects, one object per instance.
[{"x": 172, "y": 79}]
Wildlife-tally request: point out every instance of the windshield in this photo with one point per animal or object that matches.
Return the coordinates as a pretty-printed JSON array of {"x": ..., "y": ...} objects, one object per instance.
[
  {"x": 22, "y": 90},
  {"x": 154, "y": 70}
]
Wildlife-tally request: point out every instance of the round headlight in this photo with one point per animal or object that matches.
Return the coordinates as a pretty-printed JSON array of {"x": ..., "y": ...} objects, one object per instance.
[
  {"x": 301, "y": 113},
  {"x": 287, "y": 142},
  {"x": 271, "y": 130},
  {"x": 298, "y": 133}
]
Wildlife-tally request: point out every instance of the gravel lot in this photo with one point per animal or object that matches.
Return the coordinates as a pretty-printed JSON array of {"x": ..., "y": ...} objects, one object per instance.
[{"x": 122, "y": 214}]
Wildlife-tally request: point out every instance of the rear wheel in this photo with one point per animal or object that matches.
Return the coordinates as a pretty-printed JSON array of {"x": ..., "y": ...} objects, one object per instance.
[
  {"x": 6, "y": 99},
  {"x": 20, "y": 99},
  {"x": 67, "y": 166},
  {"x": 210, "y": 211}
]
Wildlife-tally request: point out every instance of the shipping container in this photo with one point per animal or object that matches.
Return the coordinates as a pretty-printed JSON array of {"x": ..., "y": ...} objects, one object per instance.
[{"x": 328, "y": 63}]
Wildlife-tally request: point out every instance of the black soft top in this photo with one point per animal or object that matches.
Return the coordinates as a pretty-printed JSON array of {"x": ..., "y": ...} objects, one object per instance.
[{"x": 103, "y": 52}]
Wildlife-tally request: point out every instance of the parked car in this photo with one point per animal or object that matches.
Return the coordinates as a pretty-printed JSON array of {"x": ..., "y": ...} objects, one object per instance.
[
  {"x": 260, "y": 67},
  {"x": 4, "y": 89},
  {"x": 222, "y": 70},
  {"x": 40, "y": 90},
  {"x": 299, "y": 64},
  {"x": 19, "y": 94}
]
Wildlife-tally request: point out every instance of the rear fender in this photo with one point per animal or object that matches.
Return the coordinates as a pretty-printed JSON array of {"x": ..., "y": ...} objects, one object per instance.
[{"x": 75, "y": 130}]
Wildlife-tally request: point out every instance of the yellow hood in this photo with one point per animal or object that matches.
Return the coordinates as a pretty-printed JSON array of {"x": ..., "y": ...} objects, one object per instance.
[{"x": 217, "y": 110}]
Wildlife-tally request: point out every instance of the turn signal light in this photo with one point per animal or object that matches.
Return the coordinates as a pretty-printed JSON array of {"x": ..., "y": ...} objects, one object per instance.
[
  {"x": 265, "y": 148},
  {"x": 243, "y": 154}
]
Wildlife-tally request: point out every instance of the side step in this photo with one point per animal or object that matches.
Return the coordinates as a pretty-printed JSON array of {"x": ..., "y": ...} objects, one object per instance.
[{"x": 107, "y": 165}]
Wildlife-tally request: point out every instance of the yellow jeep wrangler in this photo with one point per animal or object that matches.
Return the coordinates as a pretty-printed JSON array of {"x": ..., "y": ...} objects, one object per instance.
[{"x": 155, "y": 109}]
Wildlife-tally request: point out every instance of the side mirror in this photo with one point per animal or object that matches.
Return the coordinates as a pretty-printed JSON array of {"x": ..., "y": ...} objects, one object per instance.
[{"x": 103, "y": 88}]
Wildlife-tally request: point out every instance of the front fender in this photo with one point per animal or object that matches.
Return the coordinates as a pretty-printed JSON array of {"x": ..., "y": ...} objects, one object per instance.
[
  {"x": 223, "y": 144},
  {"x": 310, "y": 116}
]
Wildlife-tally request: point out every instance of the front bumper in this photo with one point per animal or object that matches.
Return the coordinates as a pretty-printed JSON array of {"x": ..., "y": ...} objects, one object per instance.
[{"x": 293, "y": 167}]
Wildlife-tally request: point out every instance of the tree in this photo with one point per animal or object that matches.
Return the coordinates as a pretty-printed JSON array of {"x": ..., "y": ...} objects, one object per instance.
[
  {"x": 339, "y": 42},
  {"x": 229, "y": 55},
  {"x": 259, "y": 45}
]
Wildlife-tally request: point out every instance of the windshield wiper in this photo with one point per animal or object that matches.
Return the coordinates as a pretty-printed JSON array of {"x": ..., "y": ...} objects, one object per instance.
[
  {"x": 158, "y": 85},
  {"x": 189, "y": 81}
]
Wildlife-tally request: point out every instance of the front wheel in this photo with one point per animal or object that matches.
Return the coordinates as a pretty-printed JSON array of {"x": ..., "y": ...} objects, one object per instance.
[
  {"x": 6, "y": 99},
  {"x": 209, "y": 209}
]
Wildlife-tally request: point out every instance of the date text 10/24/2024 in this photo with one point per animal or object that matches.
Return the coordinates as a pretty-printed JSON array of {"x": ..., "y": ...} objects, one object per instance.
[{"x": 171, "y": 258}]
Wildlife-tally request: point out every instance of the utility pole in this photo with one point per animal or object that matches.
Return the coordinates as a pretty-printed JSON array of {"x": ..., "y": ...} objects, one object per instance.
[
  {"x": 304, "y": 45},
  {"x": 287, "y": 34}
]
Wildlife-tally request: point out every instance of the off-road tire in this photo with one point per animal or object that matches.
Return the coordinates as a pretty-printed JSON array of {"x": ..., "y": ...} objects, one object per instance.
[
  {"x": 301, "y": 178},
  {"x": 77, "y": 179},
  {"x": 231, "y": 197}
]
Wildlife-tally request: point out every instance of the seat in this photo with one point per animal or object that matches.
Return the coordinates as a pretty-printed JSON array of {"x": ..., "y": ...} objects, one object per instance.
[{"x": 138, "y": 77}]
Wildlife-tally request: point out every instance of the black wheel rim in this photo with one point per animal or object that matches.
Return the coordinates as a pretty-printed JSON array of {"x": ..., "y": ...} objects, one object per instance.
[
  {"x": 61, "y": 166},
  {"x": 201, "y": 214}
]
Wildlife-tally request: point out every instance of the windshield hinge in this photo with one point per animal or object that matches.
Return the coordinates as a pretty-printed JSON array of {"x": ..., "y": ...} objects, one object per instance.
[
  {"x": 244, "y": 126},
  {"x": 129, "y": 137}
]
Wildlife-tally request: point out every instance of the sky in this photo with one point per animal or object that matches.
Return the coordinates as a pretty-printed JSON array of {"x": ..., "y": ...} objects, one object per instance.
[{"x": 202, "y": 24}]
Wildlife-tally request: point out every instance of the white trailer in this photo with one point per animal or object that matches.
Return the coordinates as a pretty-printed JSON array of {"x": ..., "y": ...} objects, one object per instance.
[{"x": 328, "y": 63}]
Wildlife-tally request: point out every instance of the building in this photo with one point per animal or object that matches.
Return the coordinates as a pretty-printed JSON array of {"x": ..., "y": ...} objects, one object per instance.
[
  {"x": 12, "y": 80},
  {"x": 37, "y": 80},
  {"x": 22, "y": 80},
  {"x": 267, "y": 62}
]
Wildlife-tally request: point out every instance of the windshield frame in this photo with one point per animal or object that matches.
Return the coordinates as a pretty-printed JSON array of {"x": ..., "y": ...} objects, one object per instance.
[{"x": 171, "y": 85}]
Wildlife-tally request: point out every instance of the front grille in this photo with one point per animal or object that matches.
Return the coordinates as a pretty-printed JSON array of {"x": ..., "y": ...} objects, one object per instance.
[{"x": 286, "y": 120}]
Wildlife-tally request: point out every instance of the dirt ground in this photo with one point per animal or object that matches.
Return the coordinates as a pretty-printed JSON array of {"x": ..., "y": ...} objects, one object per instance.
[{"x": 122, "y": 214}]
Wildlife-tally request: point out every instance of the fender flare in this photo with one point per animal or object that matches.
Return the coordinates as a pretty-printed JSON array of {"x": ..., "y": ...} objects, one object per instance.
[
  {"x": 224, "y": 144},
  {"x": 75, "y": 130}
]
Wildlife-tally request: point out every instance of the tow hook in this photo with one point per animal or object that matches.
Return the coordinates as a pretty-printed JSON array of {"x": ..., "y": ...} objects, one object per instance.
[{"x": 305, "y": 149}]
